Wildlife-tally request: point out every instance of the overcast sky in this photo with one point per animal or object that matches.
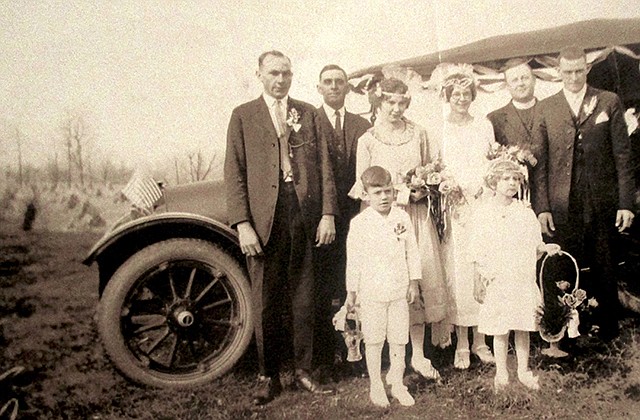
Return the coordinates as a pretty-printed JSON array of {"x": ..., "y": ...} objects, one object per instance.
[{"x": 157, "y": 78}]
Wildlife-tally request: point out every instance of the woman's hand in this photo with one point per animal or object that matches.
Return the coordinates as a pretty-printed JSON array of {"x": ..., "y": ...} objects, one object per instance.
[{"x": 479, "y": 288}]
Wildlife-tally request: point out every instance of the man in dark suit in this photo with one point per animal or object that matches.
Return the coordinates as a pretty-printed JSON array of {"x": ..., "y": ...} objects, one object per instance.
[
  {"x": 280, "y": 198},
  {"x": 583, "y": 182},
  {"x": 513, "y": 123},
  {"x": 342, "y": 130}
]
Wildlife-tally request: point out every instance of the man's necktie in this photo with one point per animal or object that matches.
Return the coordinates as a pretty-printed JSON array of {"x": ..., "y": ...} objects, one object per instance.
[
  {"x": 339, "y": 133},
  {"x": 285, "y": 162}
]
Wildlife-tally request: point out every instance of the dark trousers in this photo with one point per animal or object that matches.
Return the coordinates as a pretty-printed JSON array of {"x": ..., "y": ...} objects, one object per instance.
[
  {"x": 330, "y": 266},
  {"x": 590, "y": 242},
  {"x": 282, "y": 287}
]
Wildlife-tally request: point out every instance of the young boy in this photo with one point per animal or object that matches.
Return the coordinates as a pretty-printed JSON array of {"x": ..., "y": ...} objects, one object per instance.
[{"x": 383, "y": 269}]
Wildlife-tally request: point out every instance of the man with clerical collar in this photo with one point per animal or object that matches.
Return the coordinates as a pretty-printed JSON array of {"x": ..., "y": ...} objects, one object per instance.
[
  {"x": 513, "y": 123},
  {"x": 342, "y": 129}
]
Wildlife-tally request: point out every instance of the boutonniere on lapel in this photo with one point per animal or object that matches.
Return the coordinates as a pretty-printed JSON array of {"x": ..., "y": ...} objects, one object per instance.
[
  {"x": 292, "y": 120},
  {"x": 400, "y": 230},
  {"x": 590, "y": 107}
]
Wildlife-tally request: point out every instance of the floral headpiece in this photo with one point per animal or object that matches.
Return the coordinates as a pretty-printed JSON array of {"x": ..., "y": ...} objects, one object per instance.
[
  {"x": 512, "y": 153},
  {"x": 449, "y": 74},
  {"x": 379, "y": 93}
]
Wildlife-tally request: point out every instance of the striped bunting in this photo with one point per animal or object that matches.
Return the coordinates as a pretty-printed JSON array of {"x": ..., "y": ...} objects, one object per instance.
[{"x": 142, "y": 190}]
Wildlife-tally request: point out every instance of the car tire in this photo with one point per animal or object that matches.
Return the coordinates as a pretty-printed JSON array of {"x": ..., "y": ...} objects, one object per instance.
[{"x": 176, "y": 314}]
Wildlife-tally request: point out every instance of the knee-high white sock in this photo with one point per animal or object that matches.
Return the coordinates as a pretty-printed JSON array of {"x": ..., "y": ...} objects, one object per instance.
[
  {"x": 396, "y": 368},
  {"x": 373, "y": 354},
  {"x": 500, "y": 345},
  {"x": 522, "y": 350}
]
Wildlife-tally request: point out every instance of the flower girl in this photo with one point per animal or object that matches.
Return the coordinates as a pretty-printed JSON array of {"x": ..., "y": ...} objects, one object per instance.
[{"x": 505, "y": 245}]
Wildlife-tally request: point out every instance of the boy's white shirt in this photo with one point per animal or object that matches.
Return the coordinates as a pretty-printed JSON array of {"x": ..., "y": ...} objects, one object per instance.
[{"x": 381, "y": 259}]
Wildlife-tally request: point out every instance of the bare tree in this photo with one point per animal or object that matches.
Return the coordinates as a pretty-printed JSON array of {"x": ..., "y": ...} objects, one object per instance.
[
  {"x": 76, "y": 138},
  {"x": 175, "y": 163},
  {"x": 54, "y": 174},
  {"x": 18, "y": 137},
  {"x": 198, "y": 168}
]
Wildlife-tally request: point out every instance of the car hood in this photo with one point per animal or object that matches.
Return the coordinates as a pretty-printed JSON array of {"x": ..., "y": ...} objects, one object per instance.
[{"x": 205, "y": 198}]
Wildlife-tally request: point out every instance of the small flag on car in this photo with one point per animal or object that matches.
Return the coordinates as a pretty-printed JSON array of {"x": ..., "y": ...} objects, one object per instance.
[{"x": 142, "y": 191}]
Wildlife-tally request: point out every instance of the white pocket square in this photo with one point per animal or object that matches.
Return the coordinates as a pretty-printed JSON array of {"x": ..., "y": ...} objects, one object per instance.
[{"x": 602, "y": 117}]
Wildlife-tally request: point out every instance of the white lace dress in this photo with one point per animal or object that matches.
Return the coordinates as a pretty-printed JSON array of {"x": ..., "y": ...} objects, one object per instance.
[
  {"x": 464, "y": 152},
  {"x": 503, "y": 242}
]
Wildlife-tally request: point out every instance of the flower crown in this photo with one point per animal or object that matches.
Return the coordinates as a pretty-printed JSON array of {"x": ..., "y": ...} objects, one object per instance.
[
  {"x": 450, "y": 74},
  {"x": 379, "y": 93},
  {"x": 515, "y": 154}
]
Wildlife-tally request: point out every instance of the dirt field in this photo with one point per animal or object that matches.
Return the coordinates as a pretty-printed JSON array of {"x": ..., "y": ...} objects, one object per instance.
[{"x": 47, "y": 302}]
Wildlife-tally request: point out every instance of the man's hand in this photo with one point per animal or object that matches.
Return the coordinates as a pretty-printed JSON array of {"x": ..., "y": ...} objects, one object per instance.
[
  {"x": 350, "y": 302},
  {"x": 326, "y": 232},
  {"x": 413, "y": 294},
  {"x": 546, "y": 223},
  {"x": 624, "y": 219},
  {"x": 249, "y": 242}
]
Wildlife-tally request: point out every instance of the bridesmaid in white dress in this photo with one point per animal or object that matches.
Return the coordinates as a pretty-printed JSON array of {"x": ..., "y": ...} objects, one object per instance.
[
  {"x": 399, "y": 145},
  {"x": 466, "y": 141}
]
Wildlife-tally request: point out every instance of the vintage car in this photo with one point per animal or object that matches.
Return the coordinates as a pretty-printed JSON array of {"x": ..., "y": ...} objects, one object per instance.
[{"x": 174, "y": 305}]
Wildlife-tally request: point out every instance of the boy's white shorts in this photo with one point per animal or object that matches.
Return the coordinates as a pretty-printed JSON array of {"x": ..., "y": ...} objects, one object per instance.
[{"x": 382, "y": 320}]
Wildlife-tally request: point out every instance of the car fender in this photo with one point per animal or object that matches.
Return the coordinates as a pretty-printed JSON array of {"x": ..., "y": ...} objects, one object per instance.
[{"x": 118, "y": 244}]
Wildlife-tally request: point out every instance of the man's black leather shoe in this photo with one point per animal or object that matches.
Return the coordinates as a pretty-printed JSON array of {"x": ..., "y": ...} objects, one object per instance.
[
  {"x": 268, "y": 389},
  {"x": 304, "y": 381}
]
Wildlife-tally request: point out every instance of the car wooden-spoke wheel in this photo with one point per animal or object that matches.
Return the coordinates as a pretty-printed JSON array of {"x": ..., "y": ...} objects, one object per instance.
[{"x": 177, "y": 313}]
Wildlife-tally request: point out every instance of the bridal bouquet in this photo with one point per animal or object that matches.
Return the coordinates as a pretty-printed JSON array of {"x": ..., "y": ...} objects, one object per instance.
[{"x": 442, "y": 192}]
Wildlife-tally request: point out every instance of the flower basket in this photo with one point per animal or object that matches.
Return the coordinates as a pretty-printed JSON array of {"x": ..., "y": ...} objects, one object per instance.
[{"x": 561, "y": 301}]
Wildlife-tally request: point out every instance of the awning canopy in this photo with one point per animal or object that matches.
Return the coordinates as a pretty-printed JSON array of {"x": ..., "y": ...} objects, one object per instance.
[{"x": 615, "y": 69}]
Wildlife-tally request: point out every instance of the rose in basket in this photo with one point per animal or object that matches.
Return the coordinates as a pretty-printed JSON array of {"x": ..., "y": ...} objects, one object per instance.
[
  {"x": 439, "y": 189},
  {"x": 560, "y": 311}
]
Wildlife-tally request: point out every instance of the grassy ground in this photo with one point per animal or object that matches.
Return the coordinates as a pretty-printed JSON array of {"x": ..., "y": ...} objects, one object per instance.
[{"x": 47, "y": 301}]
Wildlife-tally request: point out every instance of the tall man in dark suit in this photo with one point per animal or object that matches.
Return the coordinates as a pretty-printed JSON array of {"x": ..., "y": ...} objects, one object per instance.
[
  {"x": 513, "y": 123},
  {"x": 342, "y": 129},
  {"x": 583, "y": 182},
  {"x": 280, "y": 197}
]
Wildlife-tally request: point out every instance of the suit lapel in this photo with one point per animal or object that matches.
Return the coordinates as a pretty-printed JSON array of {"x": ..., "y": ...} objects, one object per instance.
[
  {"x": 349, "y": 133},
  {"x": 264, "y": 118},
  {"x": 564, "y": 109},
  {"x": 589, "y": 96}
]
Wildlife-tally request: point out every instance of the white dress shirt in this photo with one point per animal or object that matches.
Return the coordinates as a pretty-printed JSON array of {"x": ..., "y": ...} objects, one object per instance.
[
  {"x": 271, "y": 104},
  {"x": 331, "y": 114},
  {"x": 382, "y": 255},
  {"x": 575, "y": 99}
]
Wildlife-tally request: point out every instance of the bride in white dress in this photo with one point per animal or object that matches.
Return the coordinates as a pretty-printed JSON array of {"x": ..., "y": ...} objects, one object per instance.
[{"x": 466, "y": 140}]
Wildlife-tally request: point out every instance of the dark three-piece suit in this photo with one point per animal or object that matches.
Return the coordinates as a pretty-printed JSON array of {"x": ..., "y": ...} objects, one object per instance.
[
  {"x": 285, "y": 216},
  {"x": 583, "y": 177}
]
